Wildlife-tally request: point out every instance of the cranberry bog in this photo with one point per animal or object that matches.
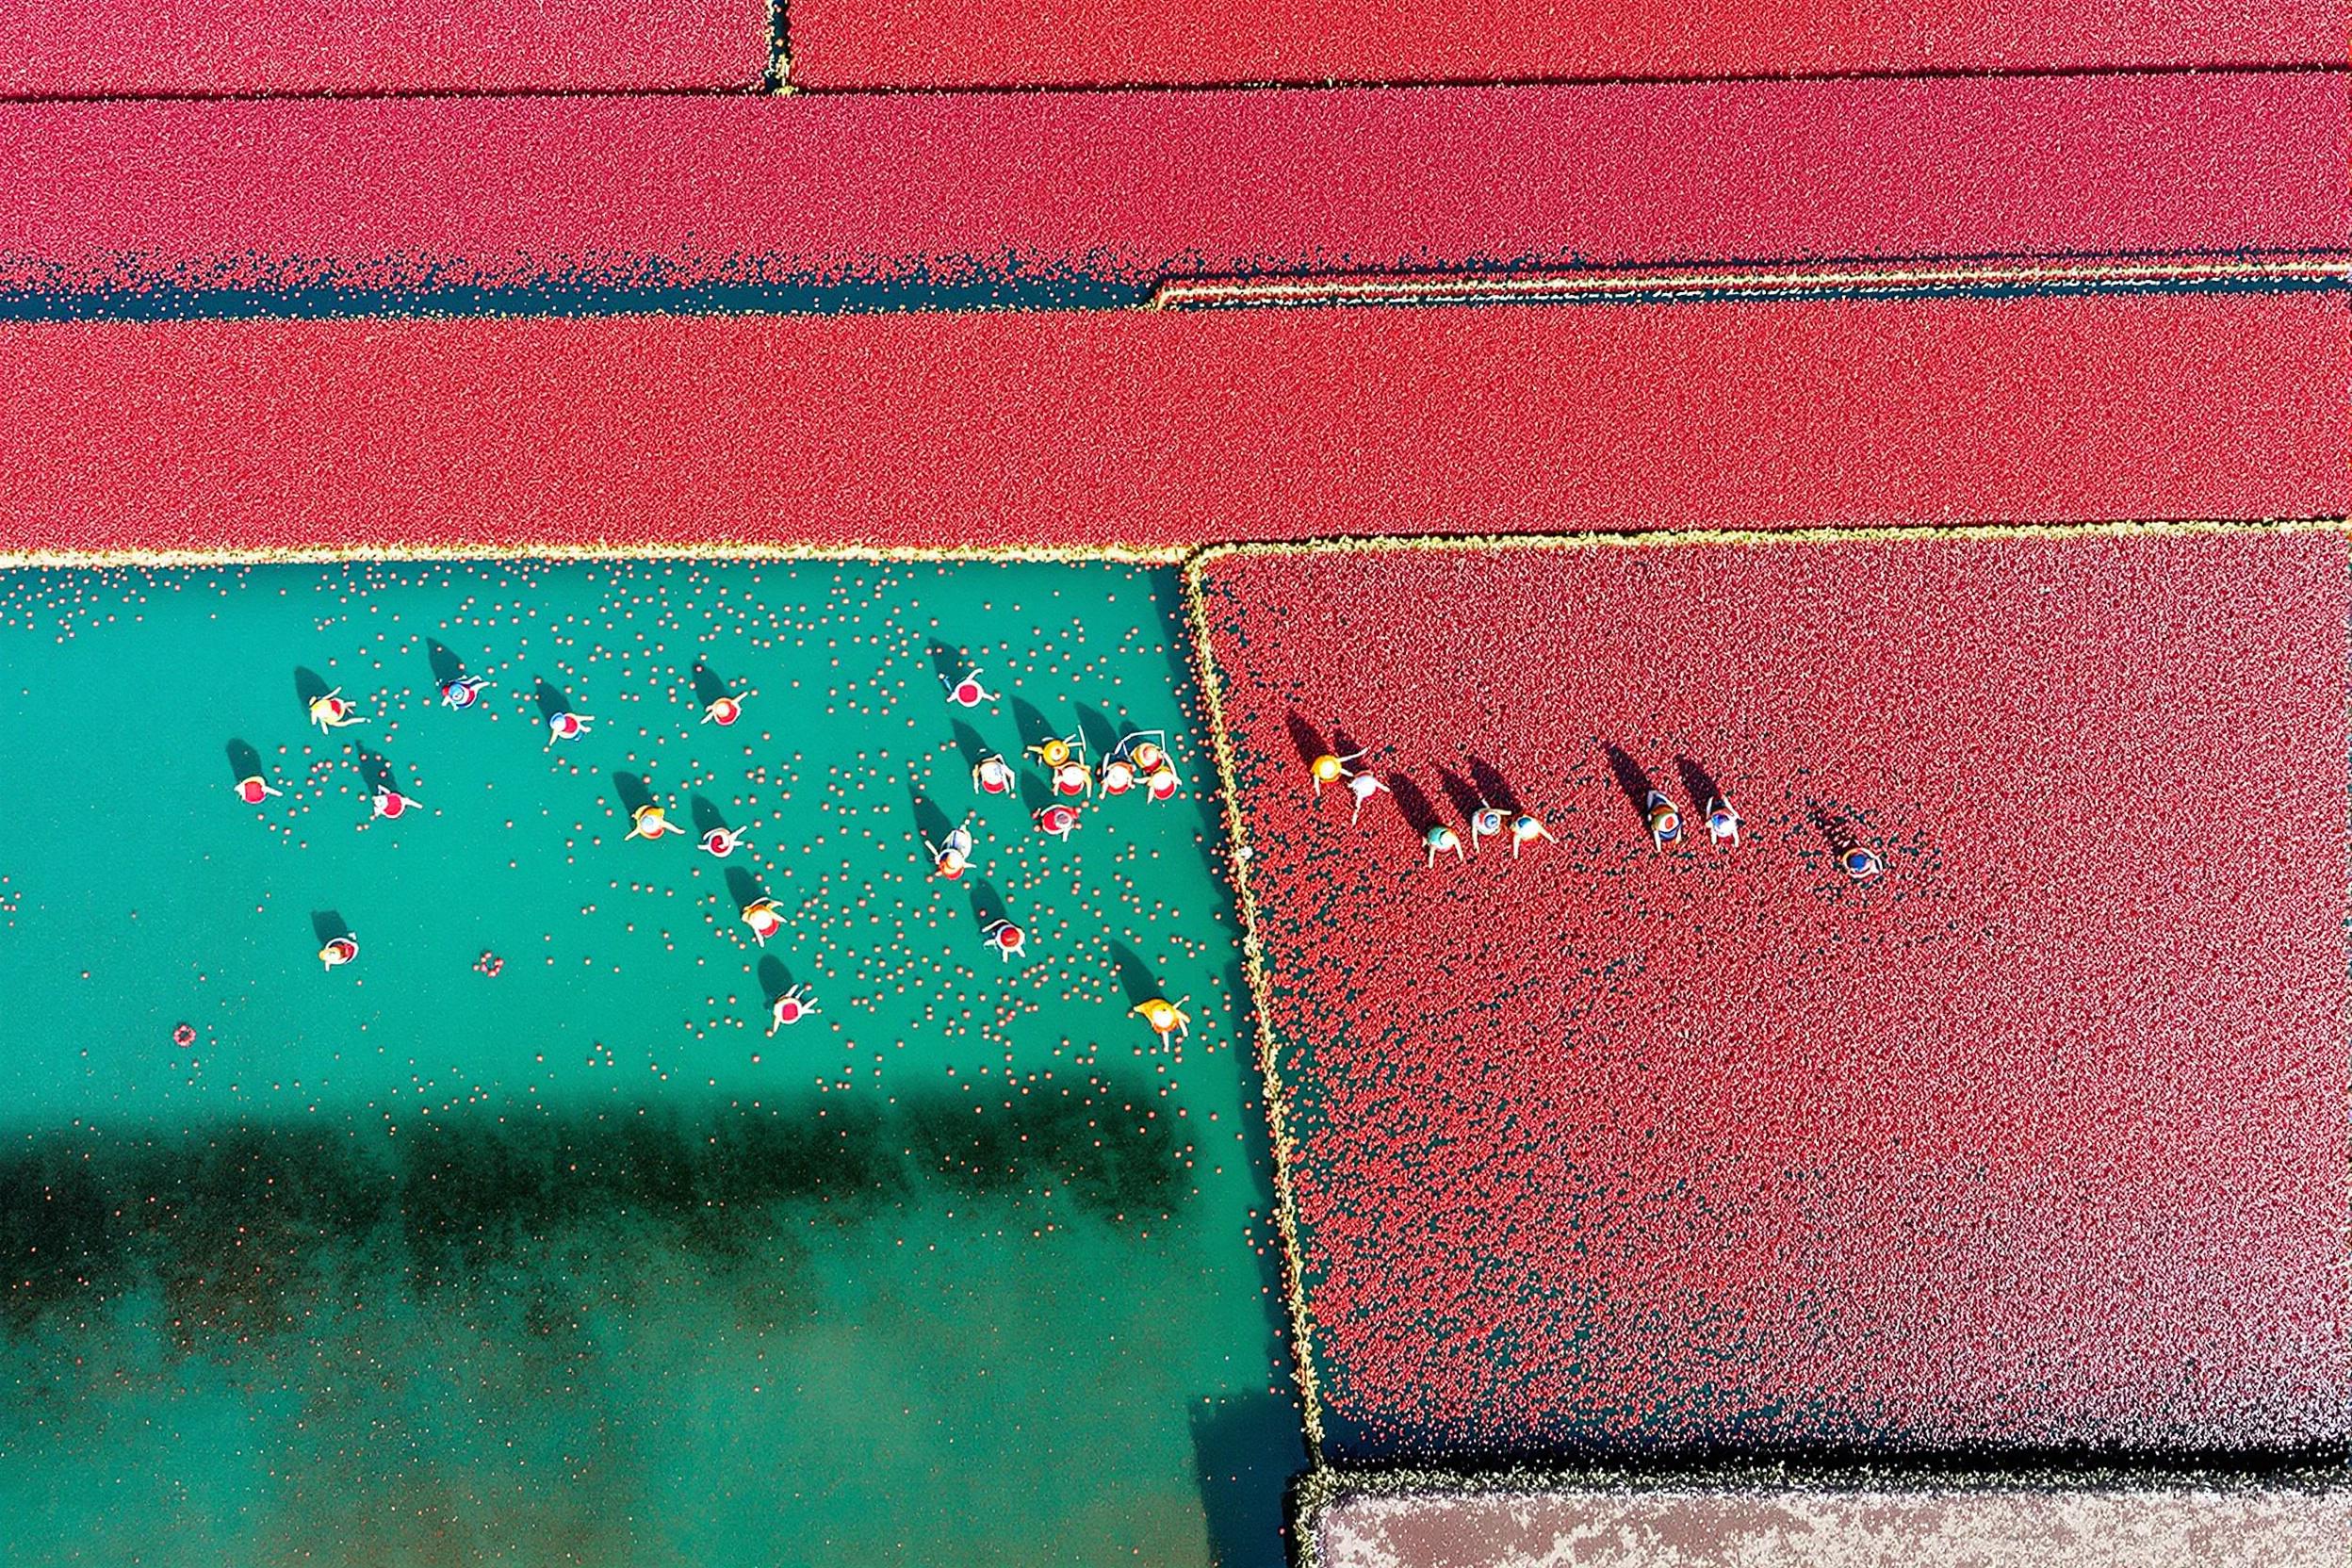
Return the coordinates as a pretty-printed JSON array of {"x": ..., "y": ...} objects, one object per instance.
[
  {"x": 2030, "y": 1137},
  {"x": 534, "y": 1231}
]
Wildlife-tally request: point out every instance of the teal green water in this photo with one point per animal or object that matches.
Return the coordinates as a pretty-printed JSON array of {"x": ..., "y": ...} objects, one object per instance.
[{"x": 403, "y": 1263}]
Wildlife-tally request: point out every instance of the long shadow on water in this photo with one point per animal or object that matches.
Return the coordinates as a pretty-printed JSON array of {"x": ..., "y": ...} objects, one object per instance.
[
  {"x": 744, "y": 887},
  {"x": 1099, "y": 731},
  {"x": 634, "y": 793},
  {"x": 774, "y": 978},
  {"x": 969, "y": 744},
  {"x": 309, "y": 686},
  {"x": 708, "y": 685},
  {"x": 447, "y": 665},
  {"x": 706, "y": 814},
  {"x": 1137, "y": 979},
  {"x": 1247, "y": 1447},
  {"x": 988, "y": 906},
  {"x": 1031, "y": 722},
  {"x": 931, "y": 822},
  {"x": 550, "y": 698},
  {"x": 244, "y": 761},
  {"x": 375, "y": 769},
  {"x": 1036, "y": 794}
]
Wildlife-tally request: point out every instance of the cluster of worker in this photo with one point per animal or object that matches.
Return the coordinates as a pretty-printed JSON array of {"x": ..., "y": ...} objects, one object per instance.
[
  {"x": 1660, "y": 817},
  {"x": 1487, "y": 821},
  {"x": 1138, "y": 761},
  {"x": 329, "y": 711}
]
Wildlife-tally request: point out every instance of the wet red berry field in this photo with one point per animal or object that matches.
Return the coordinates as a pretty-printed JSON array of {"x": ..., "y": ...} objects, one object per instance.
[
  {"x": 1988, "y": 1094},
  {"x": 1160, "y": 431}
]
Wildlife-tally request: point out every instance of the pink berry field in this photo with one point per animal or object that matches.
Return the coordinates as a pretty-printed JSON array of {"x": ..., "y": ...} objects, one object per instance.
[{"x": 2032, "y": 1138}]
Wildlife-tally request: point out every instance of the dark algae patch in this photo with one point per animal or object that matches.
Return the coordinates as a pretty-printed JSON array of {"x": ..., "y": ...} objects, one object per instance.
[{"x": 231, "y": 1236}]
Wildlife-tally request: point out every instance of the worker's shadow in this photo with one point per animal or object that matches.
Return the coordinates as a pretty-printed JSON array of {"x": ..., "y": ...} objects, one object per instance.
[
  {"x": 1034, "y": 728},
  {"x": 1460, "y": 793},
  {"x": 327, "y": 925},
  {"x": 635, "y": 793},
  {"x": 447, "y": 665},
  {"x": 744, "y": 887},
  {"x": 774, "y": 978},
  {"x": 1631, "y": 778},
  {"x": 1493, "y": 787},
  {"x": 244, "y": 761},
  {"x": 1412, "y": 804},
  {"x": 1136, "y": 977},
  {"x": 1698, "y": 783},
  {"x": 708, "y": 687},
  {"x": 1306, "y": 738},
  {"x": 949, "y": 663},
  {"x": 1101, "y": 733},
  {"x": 1036, "y": 794},
  {"x": 375, "y": 770},
  {"x": 930, "y": 821},
  {"x": 968, "y": 745},
  {"x": 706, "y": 816},
  {"x": 552, "y": 698},
  {"x": 1836, "y": 829},
  {"x": 987, "y": 908},
  {"x": 309, "y": 685}
]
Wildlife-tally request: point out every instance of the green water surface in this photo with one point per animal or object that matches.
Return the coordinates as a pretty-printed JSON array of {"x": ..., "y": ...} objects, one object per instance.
[{"x": 405, "y": 1263}]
